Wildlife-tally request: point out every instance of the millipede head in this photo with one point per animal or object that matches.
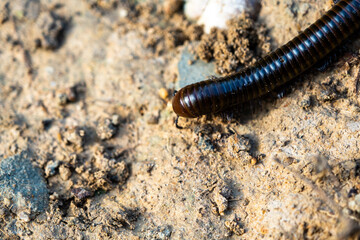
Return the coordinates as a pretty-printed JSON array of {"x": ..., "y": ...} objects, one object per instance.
[{"x": 179, "y": 107}]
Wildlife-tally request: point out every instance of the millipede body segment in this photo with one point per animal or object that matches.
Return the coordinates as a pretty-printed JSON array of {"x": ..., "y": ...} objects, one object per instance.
[{"x": 275, "y": 69}]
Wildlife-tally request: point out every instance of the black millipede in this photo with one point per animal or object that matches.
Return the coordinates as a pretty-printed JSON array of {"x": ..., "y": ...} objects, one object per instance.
[{"x": 273, "y": 70}]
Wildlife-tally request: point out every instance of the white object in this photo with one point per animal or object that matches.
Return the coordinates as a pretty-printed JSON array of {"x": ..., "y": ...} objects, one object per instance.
[{"x": 215, "y": 13}]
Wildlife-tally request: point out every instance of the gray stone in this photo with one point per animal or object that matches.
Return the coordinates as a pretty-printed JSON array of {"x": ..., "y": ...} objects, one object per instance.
[
  {"x": 23, "y": 184},
  {"x": 195, "y": 72},
  {"x": 51, "y": 167}
]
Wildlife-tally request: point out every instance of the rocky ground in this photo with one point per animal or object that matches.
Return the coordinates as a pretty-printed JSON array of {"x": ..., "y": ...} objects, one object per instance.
[{"x": 89, "y": 148}]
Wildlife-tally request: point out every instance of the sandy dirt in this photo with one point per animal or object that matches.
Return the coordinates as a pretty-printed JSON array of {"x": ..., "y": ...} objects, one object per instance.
[{"x": 85, "y": 90}]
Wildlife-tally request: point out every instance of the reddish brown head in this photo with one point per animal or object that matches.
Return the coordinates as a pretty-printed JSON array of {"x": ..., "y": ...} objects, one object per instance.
[{"x": 180, "y": 107}]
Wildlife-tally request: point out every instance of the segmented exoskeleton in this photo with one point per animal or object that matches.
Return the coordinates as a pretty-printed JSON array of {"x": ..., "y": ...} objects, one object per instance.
[{"x": 275, "y": 69}]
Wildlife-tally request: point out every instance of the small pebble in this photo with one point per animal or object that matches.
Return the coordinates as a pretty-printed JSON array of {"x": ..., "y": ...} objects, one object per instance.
[
  {"x": 54, "y": 196},
  {"x": 62, "y": 99},
  {"x": 238, "y": 143},
  {"x": 163, "y": 93},
  {"x": 165, "y": 232},
  {"x": 244, "y": 158},
  {"x": 69, "y": 95},
  {"x": 306, "y": 103},
  {"x": 74, "y": 136},
  {"x": 80, "y": 169},
  {"x": 253, "y": 161},
  {"x": 123, "y": 13},
  {"x": 6, "y": 202},
  {"x": 106, "y": 129},
  {"x": 234, "y": 227},
  {"x": 354, "y": 205},
  {"x": 51, "y": 167},
  {"x": 65, "y": 172},
  {"x": 23, "y": 216},
  {"x": 221, "y": 196},
  {"x": 81, "y": 193},
  {"x": 115, "y": 119},
  {"x": 119, "y": 173}
]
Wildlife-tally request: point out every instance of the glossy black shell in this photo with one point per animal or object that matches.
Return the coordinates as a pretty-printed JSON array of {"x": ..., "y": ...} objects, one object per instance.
[{"x": 273, "y": 70}]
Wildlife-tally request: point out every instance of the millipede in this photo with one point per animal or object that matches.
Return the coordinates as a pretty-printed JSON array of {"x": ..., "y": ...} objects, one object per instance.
[{"x": 273, "y": 70}]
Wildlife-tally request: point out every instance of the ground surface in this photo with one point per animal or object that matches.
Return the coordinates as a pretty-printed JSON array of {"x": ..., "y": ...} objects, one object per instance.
[{"x": 79, "y": 97}]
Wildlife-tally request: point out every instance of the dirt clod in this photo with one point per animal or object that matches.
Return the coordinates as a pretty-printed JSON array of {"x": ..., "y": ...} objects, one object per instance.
[
  {"x": 65, "y": 172},
  {"x": 106, "y": 129},
  {"x": 235, "y": 227},
  {"x": 75, "y": 136},
  {"x": 240, "y": 45},
  {"x": 238, "y": 143},
  {"x": 221, "y": 197}
]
